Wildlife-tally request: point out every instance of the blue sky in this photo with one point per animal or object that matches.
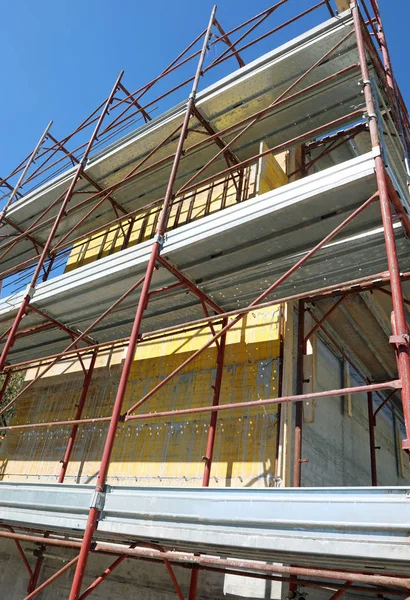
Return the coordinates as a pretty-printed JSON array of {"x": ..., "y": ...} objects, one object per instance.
[{"x": 59, "y": 59}]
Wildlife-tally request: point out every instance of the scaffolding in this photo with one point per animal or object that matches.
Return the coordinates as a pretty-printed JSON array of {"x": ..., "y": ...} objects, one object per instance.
[{"x": 52, "y": 202}]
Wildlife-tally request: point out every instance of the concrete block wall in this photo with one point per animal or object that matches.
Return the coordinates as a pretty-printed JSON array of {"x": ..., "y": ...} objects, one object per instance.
[{"x": 337, "y": 445}]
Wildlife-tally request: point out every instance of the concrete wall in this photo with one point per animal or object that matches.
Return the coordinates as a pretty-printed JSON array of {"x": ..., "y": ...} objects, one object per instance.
[
  {"x": 133, "y": 579},
  {"x": 136, "y": 580},
  {"x": 337, "y": 445}
]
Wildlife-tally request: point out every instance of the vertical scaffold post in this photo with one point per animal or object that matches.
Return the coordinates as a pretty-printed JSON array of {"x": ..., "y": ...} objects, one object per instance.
[
  {"x": 214, "y": 416},
  {"x": 372, "y": 438},
  {"x": 297, "y": 444},
  {"x": 401, "y": 339},
  {"x": 391, "y": 81},
  {"x": 280, "y": 390},
  {"x": 60, "y": 215},
  {"x": 383, "y": 45},
  {"x": 193, "y": 584},
  {"x": 142, "y": 304}
]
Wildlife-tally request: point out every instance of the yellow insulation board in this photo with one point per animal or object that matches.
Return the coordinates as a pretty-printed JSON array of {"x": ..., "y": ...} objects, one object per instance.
[
  {"x": 195, "y": 205},
  {"x": 159, "y": 451},
  {"x": 259, "y": 178},
  {"x": 271, "y": 173}
]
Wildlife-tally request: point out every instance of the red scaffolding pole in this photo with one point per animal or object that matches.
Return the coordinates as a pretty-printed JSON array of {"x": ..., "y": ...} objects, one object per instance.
[
  {"x": 400, "y": 339},
  {"x": 221, "y": 322},
  {"x": 142, "y": 303}
]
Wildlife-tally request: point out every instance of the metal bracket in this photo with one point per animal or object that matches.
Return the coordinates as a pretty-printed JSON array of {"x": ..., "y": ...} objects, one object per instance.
[
  {"x": 30, "y": 291},
  {"x": 406, "y": 446},
  {"x": 399, "y": 340},
  {"x": 368, "y": 116},
  {"x": 376, "y": 151},
  {"x": 98, "y": 500},
  {"x": 160, "y": 239}
]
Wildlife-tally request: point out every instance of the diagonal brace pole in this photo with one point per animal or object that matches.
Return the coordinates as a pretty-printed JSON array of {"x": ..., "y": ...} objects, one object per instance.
[
  {"x": 225, "y": 38},
  {"x": 258, "y": 300},
  {"x": 61, "y": 213}
]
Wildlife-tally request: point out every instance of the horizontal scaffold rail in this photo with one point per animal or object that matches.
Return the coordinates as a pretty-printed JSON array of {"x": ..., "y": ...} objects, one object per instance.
[{"x": 308, "y": 526}]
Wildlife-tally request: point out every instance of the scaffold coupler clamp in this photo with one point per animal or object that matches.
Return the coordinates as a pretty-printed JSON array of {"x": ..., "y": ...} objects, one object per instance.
[
  {"x": 363, "y": 82},
  {"x": 406, "y": 445},
  {"x": 98, "y": 500},
  {"x": 30, "y": 291},
  {"x": 399, "y": 340},
  {"x": 368, "y": 115},
  {"x": 160, "y": 240}
]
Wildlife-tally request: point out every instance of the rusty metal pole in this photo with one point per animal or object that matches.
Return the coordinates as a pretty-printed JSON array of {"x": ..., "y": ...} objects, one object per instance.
[
  {"x": 372, "y": 439},
  {"x": 30, "y": 161},
  {"x": 341, "y": 592},
  {"x": 36, "y": 574},
  {"x": 60, "y": 215},
  {"x": 103, "y": 576},
  {"x": 155, "y": 252},
  {"x": 214, "y": 416},
  {"x": 383, "y": 46},
  {"x": 401, "y": 338},
  {"x": 390, "y": 79},
  {"x": 49, "y": 581},
  {"x": 193, "y": 585},
  {"x": 22, "y": 554},
  {"x": 297, "y": 443},
  {"x": 280, "y": 387},
  {"x": 73, "y": 435},
  {"x": 114, "y": 565},
  {"x": 254, "y": 303},
  {"x": 186, "y": 559}
]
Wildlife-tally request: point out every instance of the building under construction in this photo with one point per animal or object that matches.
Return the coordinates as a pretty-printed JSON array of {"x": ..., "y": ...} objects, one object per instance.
[{"x": 205, "y": 367}]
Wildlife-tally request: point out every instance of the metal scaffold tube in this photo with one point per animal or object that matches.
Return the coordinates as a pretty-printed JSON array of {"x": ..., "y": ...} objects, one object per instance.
[
  {"x": 142, "y": 303},
  {"x": 60, "y": 215},
  {"x": 372, "y": 440},
  {"x": 70, "y": 445},
  {"x": 297, "y": 444},
  {"x": 20, "y": 181},
  {"x": 400, "y": 339},
  {"x": 214, "y": 416},
  {"x": 62, "y": 226}
]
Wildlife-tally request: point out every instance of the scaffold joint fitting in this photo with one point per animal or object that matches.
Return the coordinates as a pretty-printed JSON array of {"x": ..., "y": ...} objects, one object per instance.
[
  {"x": 98, "y": 500},
  {"x": 160, "y": 239},
  {"x": 30, "y": 291},
  {"x": 406, "y": 445},
  {"x": 399, "y": 340}
]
